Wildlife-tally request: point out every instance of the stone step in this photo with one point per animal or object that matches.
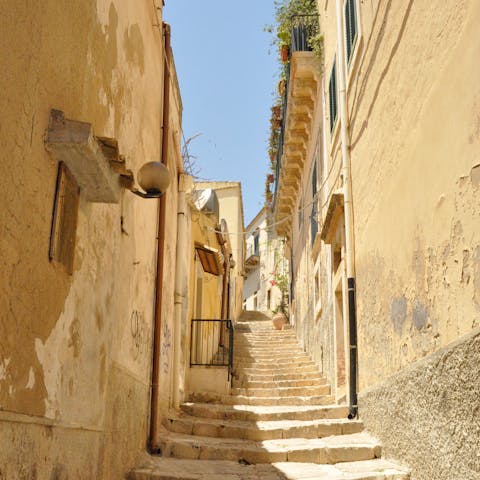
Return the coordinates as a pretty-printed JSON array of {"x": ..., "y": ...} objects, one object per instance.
[
  {"x": 329, "y": 450},
  {"x": 266, "y": 370},
  {"x": 275, "y": 400},
  {"x": 264, "y": 413},
  {"x": 280, "y": 362},
  {"x": 245, "y": 383},
  {"x": 280, "y": 355},
  {"x": 274, "y": 377},
  {"x": 159, "y": 468},
  {"x": 262, "y": 430},
  {"x": 267, "y": 344},
  {"x": 269, "y": 349},
  {"x": 265, "y": 339},
  {"x": 283, "y": 391}
]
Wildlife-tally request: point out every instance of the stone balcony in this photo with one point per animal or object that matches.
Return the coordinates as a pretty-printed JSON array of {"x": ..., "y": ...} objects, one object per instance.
[{"x": 302, "y": 98}]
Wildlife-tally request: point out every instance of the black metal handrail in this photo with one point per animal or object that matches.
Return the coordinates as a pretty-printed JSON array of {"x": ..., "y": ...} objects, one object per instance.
[{"x": 211, "y": 343}]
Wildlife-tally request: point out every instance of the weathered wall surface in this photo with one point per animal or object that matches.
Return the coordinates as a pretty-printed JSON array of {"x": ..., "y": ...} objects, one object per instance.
[
  {"x": 231, "y": 209},
  {"x": 413, "y": 97},
  {"x": 428, "y": 415},
  {"x": 75, "y": 351},
  {"x": 415, "y": 142}
]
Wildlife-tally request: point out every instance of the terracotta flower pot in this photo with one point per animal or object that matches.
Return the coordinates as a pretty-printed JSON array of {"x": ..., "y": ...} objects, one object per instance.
[
  {"x": 279, "y": 320},
  {"x": 284, "y": 53}
]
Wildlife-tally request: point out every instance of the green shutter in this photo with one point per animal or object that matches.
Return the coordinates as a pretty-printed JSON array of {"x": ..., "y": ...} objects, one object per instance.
[
  {"x": 350, "y": 26},
  {"x": 332, "y": 95}
]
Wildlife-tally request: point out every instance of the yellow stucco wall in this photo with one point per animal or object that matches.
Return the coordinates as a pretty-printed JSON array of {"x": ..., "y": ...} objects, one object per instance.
[
  {"x": 75, "y": 352},
  {"x": 231, "y": 209},
  {"x": 413, "y": 104}
]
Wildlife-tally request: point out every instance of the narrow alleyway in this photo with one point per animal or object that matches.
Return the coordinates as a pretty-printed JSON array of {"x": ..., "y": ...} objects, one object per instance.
[{"x": 279, "y": 423}]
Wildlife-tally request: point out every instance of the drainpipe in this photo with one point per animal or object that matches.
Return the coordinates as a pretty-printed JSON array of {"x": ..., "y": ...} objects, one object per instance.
[
  {"x": 157, "y": 327},
  {"x": 226, "y": 267},
  {"x": 180, "y": 274},
  {"x": 349, "y": 232}
]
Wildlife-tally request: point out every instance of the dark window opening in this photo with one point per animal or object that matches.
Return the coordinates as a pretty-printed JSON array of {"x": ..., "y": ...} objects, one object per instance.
[{"x": 64, "y": 219}]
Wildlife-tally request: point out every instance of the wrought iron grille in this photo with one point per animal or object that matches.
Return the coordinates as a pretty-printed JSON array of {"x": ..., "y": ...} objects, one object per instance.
[{"x": 212, "y": 343}]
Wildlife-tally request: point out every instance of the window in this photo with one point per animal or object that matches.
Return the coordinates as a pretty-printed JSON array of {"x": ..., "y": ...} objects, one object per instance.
[
  {"x": 256, "y": 237},
  {"x": 64, "y": 219},
  {"x": 332, "y": 95},
  {"x": 350, "y": 27},
  {"x": 208, "y": 258}
]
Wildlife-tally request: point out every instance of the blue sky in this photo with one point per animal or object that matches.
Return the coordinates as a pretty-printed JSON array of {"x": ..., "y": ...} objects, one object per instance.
[{"x": 227, "y": 78}]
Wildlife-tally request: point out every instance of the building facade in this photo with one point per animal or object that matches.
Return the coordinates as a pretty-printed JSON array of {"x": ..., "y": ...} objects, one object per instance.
[
  {"x": 265, "y": 265},
  {"x": 377, "y": 192}
]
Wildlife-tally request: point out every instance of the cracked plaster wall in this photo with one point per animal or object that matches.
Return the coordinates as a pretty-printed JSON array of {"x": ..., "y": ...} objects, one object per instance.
[
  {"x": 75, "y": 351},
  {"x": 413, "y": 102}
]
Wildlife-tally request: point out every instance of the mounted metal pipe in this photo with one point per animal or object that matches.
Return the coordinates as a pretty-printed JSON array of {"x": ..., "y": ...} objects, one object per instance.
[
  {"x": 348, "y": 206},
  {"x": 181, "y": 271},
  {"x": 157, "y": 327}
]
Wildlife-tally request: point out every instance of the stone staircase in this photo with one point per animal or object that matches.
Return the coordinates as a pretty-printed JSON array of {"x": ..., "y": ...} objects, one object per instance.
[{"x": 280, "y": 422}]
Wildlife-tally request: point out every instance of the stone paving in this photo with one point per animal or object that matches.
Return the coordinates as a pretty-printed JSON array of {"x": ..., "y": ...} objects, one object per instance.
[{"x": 280, "y": 422}]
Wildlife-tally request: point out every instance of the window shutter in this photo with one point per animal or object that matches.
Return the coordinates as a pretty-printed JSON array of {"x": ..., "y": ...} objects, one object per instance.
[
  {"x": 350, "y": 26},
  {"x": 332, "y": 94}
]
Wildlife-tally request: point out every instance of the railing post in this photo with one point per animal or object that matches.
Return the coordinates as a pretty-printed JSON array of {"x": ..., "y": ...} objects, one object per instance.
[{"x": 230, "y": 350}]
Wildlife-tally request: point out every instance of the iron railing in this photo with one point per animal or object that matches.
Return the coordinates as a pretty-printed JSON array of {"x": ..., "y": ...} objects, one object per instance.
[{"x": 212, "y": 343}]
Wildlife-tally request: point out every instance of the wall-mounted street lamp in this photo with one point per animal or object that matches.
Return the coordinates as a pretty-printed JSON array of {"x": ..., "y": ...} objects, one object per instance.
[
  {"x": 153, "y": 178},
  {"x": 96, "y": 164}
]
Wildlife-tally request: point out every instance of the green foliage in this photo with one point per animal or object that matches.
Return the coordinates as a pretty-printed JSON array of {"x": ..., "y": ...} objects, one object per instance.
[
  {"x": 315, "y": 42},
  {"x": 286, "y": 17}
]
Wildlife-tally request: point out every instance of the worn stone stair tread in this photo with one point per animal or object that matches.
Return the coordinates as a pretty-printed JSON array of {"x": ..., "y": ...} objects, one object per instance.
[
  {"x": 262, "y": 412},
  {"x": 263, "y": 429},
  {"x": 282, "y": 391},
  {"x": 159, "y": 468},
  {"x": 277, "y": 400},
  {"x": 255, "y": 384},
  {"x": 328, "y": 450}
]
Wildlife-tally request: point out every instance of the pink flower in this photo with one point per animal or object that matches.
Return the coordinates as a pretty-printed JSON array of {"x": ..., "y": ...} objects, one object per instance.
[{"x": 273, "y": 283}]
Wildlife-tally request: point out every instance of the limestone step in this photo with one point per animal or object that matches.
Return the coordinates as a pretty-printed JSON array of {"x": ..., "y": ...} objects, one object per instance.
[
  {"x": 283, "y": 391},
  {"x": 245, "y": 383},
  {"x": 261, "y": 430},
  {"x": 265, "y": 413},
  {"x": 279, "y": 352},
  {"x": 329, "y": 450},
  {"x": 270, "y": 370},
  {"x": 267, "y": 347},
  {"x": 280, "y": 377},
  {"x": 281, "y": 362},
  {"x": 279, "y": 349},
  {"x": 275, "y": 400},
  {"x": 158, "y": 468}
]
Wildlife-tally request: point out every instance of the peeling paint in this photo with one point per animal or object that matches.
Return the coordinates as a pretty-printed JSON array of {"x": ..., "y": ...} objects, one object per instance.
[
  {"x": 3, "y": 368},
  {"x": 476, "y": 278},
  {"x": 398, "y": 313},
  {"x": 31, "y": 379},
  {"x": 475, "y": 176},
  {"x": 419, "y": 315}
]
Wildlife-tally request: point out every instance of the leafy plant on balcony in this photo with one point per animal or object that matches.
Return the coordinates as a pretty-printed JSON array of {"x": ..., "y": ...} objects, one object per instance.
[{"x": 287, "y": 13}]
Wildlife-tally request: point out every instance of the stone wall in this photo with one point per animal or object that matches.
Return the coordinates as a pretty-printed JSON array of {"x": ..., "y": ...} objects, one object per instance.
[{"x": 428, "y": 415}]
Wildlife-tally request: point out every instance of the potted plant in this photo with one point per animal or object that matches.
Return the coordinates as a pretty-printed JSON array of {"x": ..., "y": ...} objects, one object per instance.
[
  {"x": 281, "y": 281},
  {"x": 284, "y": 53}
]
